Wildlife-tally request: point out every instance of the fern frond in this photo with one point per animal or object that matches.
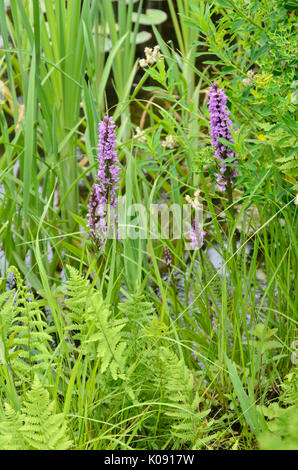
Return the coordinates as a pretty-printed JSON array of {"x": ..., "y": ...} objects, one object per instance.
[
  {"x": 139, "y": 314},
  {"x": 11, "y": 437},
  {"x": 289, "y": 394},
  {"x": 138, "y": 310},
  {"x": 107, "y": 337},
  {"x": 77, "y": 292},
  {"x": 25, "y": 332},
  {"x": 43, "y": 429},
  {"x": 188, "y": 422}
]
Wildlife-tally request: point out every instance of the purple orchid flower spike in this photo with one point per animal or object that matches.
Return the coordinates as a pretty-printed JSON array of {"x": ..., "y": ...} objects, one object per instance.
[
  {"x": 103, "y": 200},
  {"x": 220, "y": 127},
  {"x": 167, "y": 256},
  {"x": 196, "y": 237}
]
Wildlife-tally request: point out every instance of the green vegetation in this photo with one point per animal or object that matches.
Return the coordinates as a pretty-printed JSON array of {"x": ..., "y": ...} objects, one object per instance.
[{"x": 121, "y": 349}]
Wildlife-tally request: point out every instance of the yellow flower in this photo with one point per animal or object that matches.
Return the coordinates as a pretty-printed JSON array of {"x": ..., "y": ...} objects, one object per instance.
[
  {"x": 262, "y": 137},
  {"x": 263, "y": 78}
]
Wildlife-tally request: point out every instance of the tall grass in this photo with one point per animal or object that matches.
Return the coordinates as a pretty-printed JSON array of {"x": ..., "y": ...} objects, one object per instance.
[{"x": 62, "y": 102}]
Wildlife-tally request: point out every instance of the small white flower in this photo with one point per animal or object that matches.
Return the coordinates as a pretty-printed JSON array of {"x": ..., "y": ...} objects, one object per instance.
[
  {"x": 140, "y": 135},
  {"x": 143, "y": 62},
  {"x": 149, "y": 56},
  {"x": 248, "y": 81},
  {"x": 195, "y": 202},
  {"x": 152, "y": 56},
  {"x": 170, "y": 142},
  {"x": 156, "y": 53}
]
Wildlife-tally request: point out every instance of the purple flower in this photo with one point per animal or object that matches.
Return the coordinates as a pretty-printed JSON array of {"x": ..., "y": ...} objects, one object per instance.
[
  {"x": 196, "y": 237},
  {"x": 103, "y": 201},
  {"x": 220, "y": 127}
]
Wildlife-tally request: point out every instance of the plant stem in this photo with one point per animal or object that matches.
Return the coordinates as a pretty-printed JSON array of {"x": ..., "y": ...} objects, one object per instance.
[{"x": 232, "y": 211}]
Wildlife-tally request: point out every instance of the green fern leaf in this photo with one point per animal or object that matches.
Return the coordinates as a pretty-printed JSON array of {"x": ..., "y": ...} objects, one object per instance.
[{"x": 43, "y": 429}]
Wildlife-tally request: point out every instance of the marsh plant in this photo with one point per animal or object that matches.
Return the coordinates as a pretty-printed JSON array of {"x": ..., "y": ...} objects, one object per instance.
[{"x": 148, "y": 236}]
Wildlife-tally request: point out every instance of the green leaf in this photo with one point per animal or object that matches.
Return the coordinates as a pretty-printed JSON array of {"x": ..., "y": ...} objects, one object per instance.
[
  {"x": 226, "y": 142},
  {"x": 142, "y": 36},
  {"x": 250, "y": 412},
  {"x": 151, "y": 17}
]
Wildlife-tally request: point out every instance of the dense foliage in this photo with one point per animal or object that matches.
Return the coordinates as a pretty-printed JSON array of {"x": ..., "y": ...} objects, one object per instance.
[{"x": 149, "y": 343}]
